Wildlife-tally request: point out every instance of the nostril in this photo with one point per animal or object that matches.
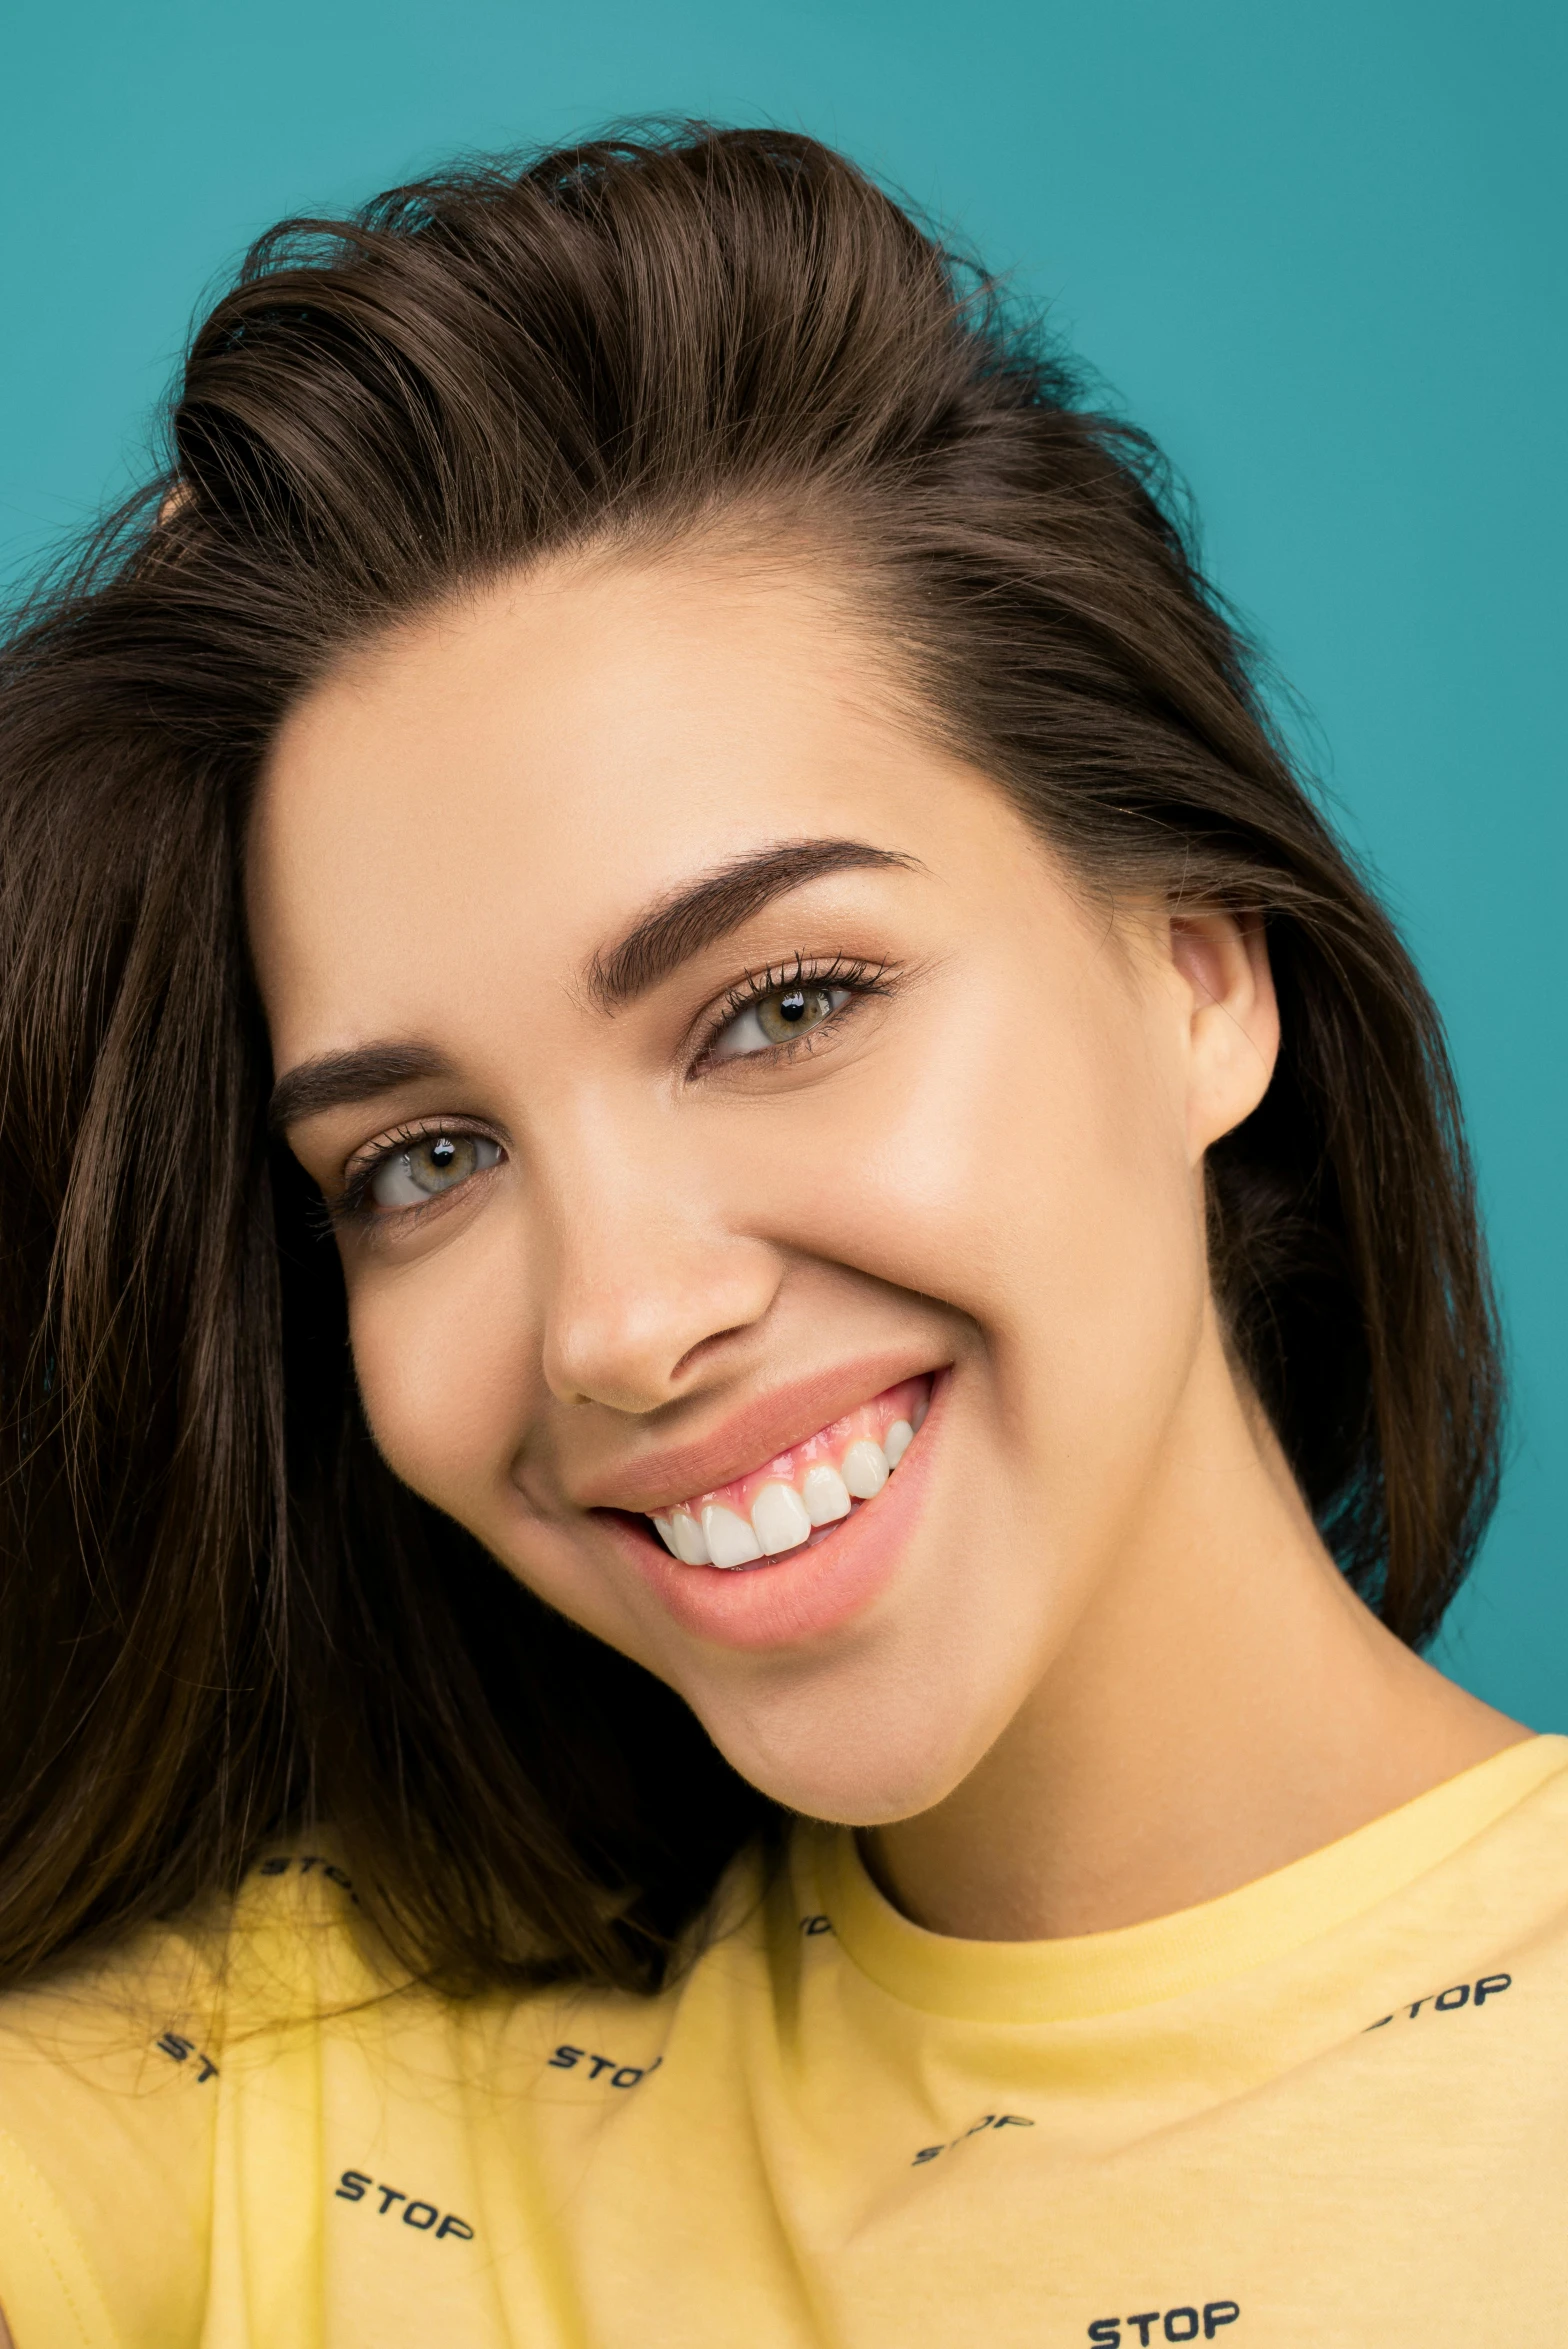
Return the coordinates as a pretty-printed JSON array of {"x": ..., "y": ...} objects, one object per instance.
[{"x": 702, "y": 1349}]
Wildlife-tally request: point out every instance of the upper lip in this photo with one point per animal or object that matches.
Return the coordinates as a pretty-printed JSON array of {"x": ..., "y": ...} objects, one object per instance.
[{"x": 748, "y": 1436}]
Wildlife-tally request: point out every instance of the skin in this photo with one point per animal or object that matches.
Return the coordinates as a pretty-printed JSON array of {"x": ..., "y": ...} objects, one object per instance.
[{"x": 1110, "y": 1670}]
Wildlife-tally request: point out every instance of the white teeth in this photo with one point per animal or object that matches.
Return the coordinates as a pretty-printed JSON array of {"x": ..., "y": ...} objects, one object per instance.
[
  {"x": 730, "y": 1539},
  {"x": 779, "y": 1519},
  {"x": 690, "y": 1546},
  {"x": 783, "y": 1515},
  {"x": 864, "y": 1469},
  {"x": 825, "y": 1494}
]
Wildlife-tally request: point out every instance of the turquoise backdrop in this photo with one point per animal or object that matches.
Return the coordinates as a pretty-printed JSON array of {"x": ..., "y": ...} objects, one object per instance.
[{"x": 1319, "y": 250}]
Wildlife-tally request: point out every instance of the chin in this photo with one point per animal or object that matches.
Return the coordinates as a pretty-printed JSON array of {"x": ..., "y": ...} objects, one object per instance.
[{"x": 876, "y": 1774}]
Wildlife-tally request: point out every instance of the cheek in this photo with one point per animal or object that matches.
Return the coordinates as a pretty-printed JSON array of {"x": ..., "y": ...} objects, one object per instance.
[
  {"x": 1016, "y": 1163},
  {"x": 1097, "y": 1221},
  {"x": 1030, "y": 1170},
  {"x": 443, "y": 1367}
]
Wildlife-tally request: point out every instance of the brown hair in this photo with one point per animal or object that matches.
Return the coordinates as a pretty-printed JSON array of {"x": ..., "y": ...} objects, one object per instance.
[{"x": 222, "y": 1617}]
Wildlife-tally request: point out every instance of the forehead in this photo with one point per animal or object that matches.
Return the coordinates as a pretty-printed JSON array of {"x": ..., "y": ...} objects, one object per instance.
[{"x": 529, "y": 768}]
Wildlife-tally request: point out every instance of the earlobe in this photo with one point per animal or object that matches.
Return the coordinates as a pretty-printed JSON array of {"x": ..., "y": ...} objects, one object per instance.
[{"x": 1233, "y": 1019}]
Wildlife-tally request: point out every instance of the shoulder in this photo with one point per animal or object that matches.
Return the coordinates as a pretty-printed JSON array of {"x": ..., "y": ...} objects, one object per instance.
[
  {"x": 263, "y": 2058},
  {"x": 108, "y": 2105},
  {"x": 113, "y": 2072}
]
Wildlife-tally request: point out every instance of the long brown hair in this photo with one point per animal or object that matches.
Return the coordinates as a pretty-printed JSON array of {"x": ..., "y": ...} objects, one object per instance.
[{"x": 222, "y": 1617}]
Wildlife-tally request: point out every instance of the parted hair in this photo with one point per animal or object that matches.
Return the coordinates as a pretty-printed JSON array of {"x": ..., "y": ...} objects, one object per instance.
[{"x": 222, "y": 1617}]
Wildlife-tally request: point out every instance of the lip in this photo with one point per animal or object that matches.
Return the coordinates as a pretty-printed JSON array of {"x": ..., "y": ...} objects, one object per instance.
[
  {"x": 750, "y": 1437},
  {"x": 808, "y": 1593}
]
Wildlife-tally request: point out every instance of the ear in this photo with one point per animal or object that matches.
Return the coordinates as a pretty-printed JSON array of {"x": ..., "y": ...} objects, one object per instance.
[{"x": 1221, "y": 965}]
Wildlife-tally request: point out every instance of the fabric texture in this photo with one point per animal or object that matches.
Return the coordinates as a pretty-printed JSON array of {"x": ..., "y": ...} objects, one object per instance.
[{"x": 1331, "y": 2108}]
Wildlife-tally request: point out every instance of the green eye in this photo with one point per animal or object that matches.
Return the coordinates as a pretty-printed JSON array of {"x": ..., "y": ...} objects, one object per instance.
[
  {"x": 434, "y": 1164},
  {"x": 778, "y": 1017},
  {"x": 793, "y": 1011}
]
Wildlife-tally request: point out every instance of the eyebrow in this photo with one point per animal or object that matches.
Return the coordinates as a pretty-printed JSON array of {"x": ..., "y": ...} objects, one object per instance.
[
  {"x": 710, "y": 907},
  {"x": 696, "y": 916},
  {"x": 335, "y": 1079}
]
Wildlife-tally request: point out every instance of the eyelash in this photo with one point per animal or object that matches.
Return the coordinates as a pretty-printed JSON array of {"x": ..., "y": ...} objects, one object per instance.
[
  {"x": 861, "y": 978},
  {"x": 351, "y": 1205}
]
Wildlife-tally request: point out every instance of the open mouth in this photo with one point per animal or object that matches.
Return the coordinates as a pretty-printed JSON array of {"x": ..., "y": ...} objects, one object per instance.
[{"x": 800, "y": 1495}]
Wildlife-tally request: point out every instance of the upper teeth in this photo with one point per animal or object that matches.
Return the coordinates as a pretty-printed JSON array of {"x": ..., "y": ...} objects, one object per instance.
[{"x": 783, "y": 1515}]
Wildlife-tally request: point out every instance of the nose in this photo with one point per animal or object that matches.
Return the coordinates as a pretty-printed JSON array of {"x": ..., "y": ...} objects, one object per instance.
[{"x": 647, "y": 1271}]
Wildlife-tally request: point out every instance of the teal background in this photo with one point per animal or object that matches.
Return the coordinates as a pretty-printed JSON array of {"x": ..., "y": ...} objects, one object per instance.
[{"x": 1318, "y": 249}]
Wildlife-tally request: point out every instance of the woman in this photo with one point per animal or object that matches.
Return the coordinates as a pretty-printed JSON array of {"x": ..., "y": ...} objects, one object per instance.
[{"x": 745, "y": 1343}]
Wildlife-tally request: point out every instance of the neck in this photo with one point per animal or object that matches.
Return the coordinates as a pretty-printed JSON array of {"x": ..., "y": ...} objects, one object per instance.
[{"x": 1225, "y": 1705}]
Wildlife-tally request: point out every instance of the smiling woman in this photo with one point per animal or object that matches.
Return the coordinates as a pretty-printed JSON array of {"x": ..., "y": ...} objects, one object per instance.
[{"x": 743, "y": 1344}]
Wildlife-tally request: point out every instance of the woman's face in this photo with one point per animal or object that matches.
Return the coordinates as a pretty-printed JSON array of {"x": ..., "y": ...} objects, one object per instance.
[{"x": 718, "y": 1086}]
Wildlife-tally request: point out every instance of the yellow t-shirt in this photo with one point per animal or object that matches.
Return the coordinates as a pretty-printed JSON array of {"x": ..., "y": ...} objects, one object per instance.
[{"x": 1331, "y": 2108}]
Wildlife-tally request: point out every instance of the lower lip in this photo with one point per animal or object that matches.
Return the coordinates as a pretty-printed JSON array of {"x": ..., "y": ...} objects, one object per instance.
[{"x": 808, "y": 1593}]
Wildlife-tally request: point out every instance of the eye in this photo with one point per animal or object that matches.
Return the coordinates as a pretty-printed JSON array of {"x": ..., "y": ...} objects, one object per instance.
[
  {"x": 426, "y": 1168},
  {"x": 779, "y": 1017}
]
